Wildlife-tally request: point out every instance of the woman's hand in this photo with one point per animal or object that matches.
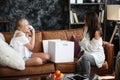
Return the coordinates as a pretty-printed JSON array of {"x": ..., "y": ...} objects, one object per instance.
[
  {"x": 79, "y": 37},
  {"x": 105, "y": 42}
]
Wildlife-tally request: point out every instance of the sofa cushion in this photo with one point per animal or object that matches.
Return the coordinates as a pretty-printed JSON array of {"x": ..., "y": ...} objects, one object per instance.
[
  {"x": 60, "y": 34},
  {"x": 66, "y": 67},
  {"x": 71, "y": 67},
  {"x": 8, "y": 36},
  {"x": 38, "y": 42},
  {"x": 71, "y": 32},
  {"x": 77, "y": 48},
  {"x": 29, "y": 70},
  {"x": 2, "y": 37},
  {"x": 9, "y": 57}
]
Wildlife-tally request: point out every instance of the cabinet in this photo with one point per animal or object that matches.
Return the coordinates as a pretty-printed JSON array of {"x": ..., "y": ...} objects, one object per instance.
[{"x": 78, "y": 10}]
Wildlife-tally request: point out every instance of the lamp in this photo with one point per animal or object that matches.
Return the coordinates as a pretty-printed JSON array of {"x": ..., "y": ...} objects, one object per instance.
[{"x": 113, "y": 13}]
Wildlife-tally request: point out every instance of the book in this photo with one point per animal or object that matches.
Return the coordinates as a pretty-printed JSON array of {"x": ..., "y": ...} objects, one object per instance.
[
  {"x": 79, "y": 1},
  {"x": 100, "y": 13},
  {"x": 72, "y": 1},
  {"x": 75, "y": 17},
  {"x": 71, "y": 17},
  {"x": 102, "y": 16}
]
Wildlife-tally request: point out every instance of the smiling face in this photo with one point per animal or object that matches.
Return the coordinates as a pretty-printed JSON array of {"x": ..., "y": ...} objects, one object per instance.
[{"x": 23, "y": 25}]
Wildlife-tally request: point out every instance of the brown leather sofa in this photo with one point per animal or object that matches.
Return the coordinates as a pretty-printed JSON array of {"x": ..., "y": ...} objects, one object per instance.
[{"x": 50, "y": 67}]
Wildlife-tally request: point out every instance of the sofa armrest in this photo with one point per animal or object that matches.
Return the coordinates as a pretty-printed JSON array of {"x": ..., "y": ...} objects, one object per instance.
[{"x": 109, "y": 54}]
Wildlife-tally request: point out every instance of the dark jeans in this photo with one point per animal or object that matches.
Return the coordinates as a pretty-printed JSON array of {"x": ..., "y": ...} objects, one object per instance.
[{"x": 84, "y": 64}]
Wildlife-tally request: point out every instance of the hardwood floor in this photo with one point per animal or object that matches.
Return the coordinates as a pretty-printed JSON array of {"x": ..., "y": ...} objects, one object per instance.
[{"x": 107, "y": 77}]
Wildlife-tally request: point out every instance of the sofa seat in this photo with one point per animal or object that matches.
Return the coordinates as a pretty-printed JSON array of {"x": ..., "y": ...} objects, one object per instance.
[
  {"x": 30, "y": 70},
  {"x": 71, "y": 68},
  {"x": 66, "y": 67}
]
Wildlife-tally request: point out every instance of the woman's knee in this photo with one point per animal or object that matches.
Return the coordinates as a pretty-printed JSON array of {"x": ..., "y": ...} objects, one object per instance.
[
  {"x": 33, "y": 61},
  {"x": 46, "y": 56},
  {"x": 38, "y": 61},
  {"x": 84, "y": 58}
]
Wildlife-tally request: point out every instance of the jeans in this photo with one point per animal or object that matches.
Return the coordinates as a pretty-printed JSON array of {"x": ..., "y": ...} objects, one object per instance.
[{"x": 84, "y": 64}]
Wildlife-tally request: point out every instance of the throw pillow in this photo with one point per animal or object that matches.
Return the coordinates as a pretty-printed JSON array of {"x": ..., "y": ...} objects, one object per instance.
[
  {"x": 2, "y": 37},
  {"x": 77, "y": 49},
  {"x": 9, "y": 57}
]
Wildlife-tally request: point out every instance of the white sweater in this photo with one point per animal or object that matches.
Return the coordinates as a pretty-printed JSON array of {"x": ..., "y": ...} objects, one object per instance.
[{"x": 93, "y": 47}]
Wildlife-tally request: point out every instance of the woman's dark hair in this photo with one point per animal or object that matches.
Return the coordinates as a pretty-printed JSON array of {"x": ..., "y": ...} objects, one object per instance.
[{"x": 93, "y": 24}]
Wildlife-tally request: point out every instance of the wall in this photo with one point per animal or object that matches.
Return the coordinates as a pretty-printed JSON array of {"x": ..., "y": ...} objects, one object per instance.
[
  {"x": 110, "y": 28},
  {"x": 111, "y": 24},
  {"x": 42, "y": 14}
]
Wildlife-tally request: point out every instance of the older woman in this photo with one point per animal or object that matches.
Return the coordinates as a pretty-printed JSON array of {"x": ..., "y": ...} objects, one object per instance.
[{"x": 91, "y": 43}]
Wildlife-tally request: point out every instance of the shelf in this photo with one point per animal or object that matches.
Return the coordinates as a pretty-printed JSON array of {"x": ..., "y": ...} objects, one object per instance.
[
  {"x": 81, "y": 8},
  {"x": 87, "y": 4},
  {"x": 80, "y": 23},
  {"x": 4, "y": 21}
]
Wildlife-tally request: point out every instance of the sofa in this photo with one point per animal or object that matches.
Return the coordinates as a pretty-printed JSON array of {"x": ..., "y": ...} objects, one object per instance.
[{"x": 50, "y": 67}]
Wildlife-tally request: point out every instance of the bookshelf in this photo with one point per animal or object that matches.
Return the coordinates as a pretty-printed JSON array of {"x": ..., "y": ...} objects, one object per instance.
[{"x": 81, "y": 8}]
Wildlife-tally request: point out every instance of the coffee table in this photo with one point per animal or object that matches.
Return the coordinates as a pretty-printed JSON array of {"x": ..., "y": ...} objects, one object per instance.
[
  {"x": 67, "y": 76},
  {"x": 70, "y": 76},
  {"x": 32, "y": 77}
]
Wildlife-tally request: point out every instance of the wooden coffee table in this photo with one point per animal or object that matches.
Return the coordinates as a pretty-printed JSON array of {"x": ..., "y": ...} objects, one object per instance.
[
  {"x": 33, "y": 77},
  {"x": 36, "y": 77},
  {"x": 67, "y": 76}
]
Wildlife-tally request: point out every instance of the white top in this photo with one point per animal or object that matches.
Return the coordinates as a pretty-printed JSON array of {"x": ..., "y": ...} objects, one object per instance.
[
  {"x": 93, "y": 47},
  {"x": 18, "y": 43}
]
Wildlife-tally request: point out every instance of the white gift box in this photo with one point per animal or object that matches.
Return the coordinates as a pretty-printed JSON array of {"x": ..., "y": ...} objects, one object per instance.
[
  {"x": 45, "y": 44},
  {"x": 61, "y": 51}
]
